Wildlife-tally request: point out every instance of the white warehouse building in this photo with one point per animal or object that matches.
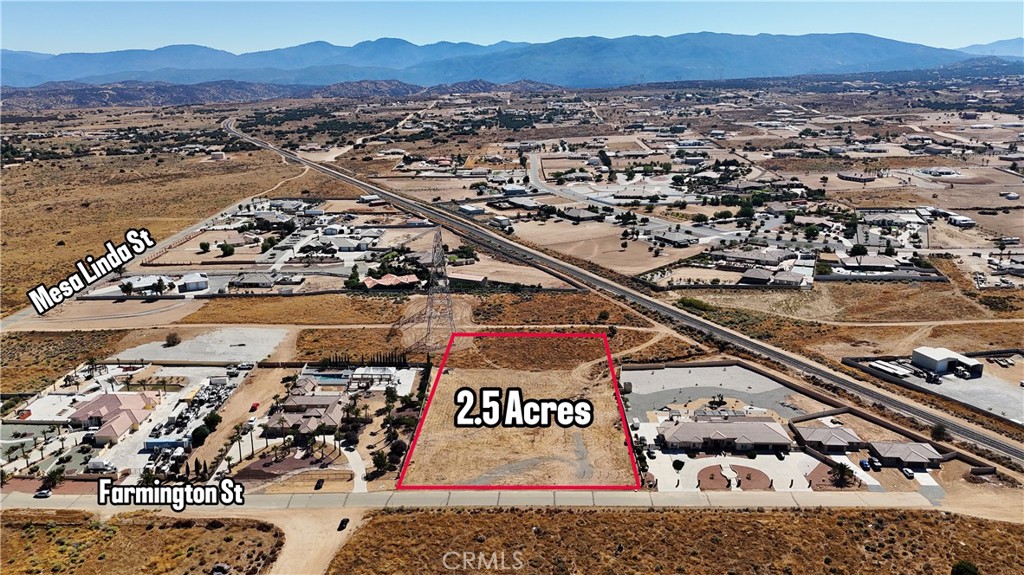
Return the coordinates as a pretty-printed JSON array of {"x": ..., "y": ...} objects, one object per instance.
[{"x": 942, "y": 360}]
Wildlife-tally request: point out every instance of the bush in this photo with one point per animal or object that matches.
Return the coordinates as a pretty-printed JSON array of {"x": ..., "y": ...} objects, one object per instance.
[
  {"x": 204, "y": 247},
  {"x": 199, "y": 436},
  {"x": 964, "y": 568},
  {"x": 172, "y": 339}
]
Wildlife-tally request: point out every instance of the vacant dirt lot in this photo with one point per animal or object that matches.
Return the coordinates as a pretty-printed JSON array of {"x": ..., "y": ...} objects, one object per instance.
[
  {"x": 553, "y": 309},
  {"x": 300, "y": 310},
  {"x": 31, "y": 360},
  {"x": 316, "y": 344},
  {"x": 76, "y": 542},
  {"x": 597, "y": 242},
  {"x": 857, "y": 301},
  {"x": 57, "y": 213},
  {"x": 716, "y": 541},
  {"x": 594, "y": 455},
  {"x": 314, "y": 184}
]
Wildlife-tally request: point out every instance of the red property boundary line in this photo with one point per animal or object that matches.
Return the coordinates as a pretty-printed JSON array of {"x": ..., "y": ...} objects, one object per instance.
[{"x": 401, "y": 485}]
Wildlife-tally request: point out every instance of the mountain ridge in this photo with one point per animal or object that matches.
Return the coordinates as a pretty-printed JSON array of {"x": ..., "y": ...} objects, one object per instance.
[{"x": 579, "y": 62}]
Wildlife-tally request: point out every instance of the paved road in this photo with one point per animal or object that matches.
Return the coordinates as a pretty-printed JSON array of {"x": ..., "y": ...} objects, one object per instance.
[
  {"x": 409, "y": 499},
  {"x": 811, "y": 369}
]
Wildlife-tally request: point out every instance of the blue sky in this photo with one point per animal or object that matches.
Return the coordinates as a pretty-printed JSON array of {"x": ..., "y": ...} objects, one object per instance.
[{"x": 244, "y": 26}]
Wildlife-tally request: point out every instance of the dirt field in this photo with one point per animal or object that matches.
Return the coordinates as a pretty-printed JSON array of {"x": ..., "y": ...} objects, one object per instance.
[
  {"x": 596, "y": 242},
  {"x": 314, "y": 184},
  {"x": 102, "y": 314},
  {"x": 553, "y": 309},
  {"x": 30, "y": 361},
  {"x": 78, "y": 543},
  {"x": 57, "y": 213},
  {"x": 856, "y": 301},
  {"x": 316, "y": 344},
  {"x": 595, "y": 455},
  {"x": 303, "y": 310},
  {"x": 798, "y": 541}
]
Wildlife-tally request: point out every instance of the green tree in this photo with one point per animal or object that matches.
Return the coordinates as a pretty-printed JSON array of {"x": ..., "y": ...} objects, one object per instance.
[
  {"x": 212, "y": 420},
  {"x": 227, "y": 250},
  {"x": 127, "y": 288},
  {"x": 858, "y": 250},
  {"x": 938, "y": 432},
  {"x": 204, "y": 247}
]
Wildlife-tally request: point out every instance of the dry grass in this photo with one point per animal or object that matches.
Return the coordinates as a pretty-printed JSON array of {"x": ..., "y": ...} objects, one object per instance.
[
  {"x": 544, "y": 353},
  {"x": 316, "y": 344},
  {"x": 327, "y": 309},
  {"x": 696, "y": 542},
  {"x": 316, "y": 185},
  {"x": 553, "y": 309},
  {"x": 857, "y": 301},
  {"x": 77, "y": 543},
  {"x": 86, "y": 202},
  {"x": 32, "y": 360},
  {"x": 667, "y": 348}
]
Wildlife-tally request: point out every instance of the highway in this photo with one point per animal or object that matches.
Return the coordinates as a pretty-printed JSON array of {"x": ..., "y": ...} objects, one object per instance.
[{"x": 503, "y": 244}]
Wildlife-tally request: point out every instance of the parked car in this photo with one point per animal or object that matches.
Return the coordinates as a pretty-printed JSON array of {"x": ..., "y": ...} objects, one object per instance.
[
  {"x": 254, "y": 406},
  {"x": 245, "y": 366},
  {"x": 865, "y": 464},
  {"x": 251, "y": 422},
  {"x": 907, "y": 472},
  {"x": 875, "y": 464},
  {"x": 650, "y": 454},
  {"x": 43, "y": 494},
  {"x": 343, "y": 524},
  {"x": 319, "y": 484}
]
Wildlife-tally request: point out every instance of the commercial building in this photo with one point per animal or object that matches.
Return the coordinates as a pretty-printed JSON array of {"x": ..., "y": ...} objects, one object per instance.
[
  {"x": 471, "y": 210},
  {"x": 942, "y": 360},
  {"x": 194, "y": 282}
]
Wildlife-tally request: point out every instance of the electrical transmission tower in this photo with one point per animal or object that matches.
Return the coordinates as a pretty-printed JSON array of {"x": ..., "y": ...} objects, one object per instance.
[{"x": 437, "y": 314}]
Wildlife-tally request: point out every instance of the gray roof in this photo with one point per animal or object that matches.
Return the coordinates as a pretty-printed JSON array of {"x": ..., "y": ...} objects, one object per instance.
[
  {"x": 907, "y": 452},
  {"x": 757, "y": 432},
  {"x": 830, "y": 436},
  {"x": 757, "y": 274}
]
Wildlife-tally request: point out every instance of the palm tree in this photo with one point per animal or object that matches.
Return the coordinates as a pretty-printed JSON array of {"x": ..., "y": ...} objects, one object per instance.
[
  {"x": 841, "y": 475},
  {"x": 148, "y": 478},
  {"x": 238, "y": 439},
  {"x": 53, "y": 478}
]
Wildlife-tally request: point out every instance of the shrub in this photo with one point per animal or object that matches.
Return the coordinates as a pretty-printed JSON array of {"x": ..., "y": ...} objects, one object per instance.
[{"x": 172, "y": 339}]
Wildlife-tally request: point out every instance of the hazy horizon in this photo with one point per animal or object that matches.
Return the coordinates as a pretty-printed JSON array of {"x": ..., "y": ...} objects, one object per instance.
[{"x": 230, "y": 25}]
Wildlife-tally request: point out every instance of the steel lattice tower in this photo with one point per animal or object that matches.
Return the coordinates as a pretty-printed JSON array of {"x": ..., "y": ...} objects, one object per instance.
[{"x": 438, "y": 312}]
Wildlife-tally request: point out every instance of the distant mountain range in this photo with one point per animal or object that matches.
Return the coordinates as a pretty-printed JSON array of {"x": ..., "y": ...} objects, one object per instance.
[
  {"x": 1013, "y": 47},
  {"x": 589, "y": 62}
]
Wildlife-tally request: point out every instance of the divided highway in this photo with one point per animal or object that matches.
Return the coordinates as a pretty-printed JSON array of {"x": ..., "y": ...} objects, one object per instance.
[{"x": 502, "y": 244}]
